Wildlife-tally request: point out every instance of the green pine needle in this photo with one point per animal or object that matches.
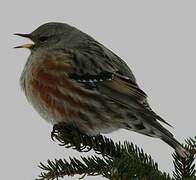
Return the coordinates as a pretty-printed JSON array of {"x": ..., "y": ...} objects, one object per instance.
[{"x": 119, "y": 161}]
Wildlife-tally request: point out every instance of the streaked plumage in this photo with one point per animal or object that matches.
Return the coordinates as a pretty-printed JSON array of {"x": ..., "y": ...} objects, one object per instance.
[{"x": 69, "y": 77}]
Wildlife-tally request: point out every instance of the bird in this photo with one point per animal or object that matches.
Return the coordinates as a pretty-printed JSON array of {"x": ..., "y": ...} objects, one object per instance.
[{"x": 71, "y": 78}]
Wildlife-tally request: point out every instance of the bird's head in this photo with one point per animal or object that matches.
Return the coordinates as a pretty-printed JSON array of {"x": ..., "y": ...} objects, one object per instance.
[{"x": 48, "y": 35}]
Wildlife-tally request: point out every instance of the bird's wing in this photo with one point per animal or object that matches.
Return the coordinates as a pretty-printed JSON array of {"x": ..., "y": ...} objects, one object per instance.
[
  {"x": 109, "y": 78},
  {"x": 97, "y": 74}
]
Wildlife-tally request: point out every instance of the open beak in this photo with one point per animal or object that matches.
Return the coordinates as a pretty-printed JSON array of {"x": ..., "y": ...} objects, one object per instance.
[{"x": 29, "y": 45}]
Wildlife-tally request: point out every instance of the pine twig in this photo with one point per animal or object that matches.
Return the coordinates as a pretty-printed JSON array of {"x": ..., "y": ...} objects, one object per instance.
[
  {"x": 185, "y": 168},
  {"x": 91, "y": 166},
  {"x": 120, "y": 161}
]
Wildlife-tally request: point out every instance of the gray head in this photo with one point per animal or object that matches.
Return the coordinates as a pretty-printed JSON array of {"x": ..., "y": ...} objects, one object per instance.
[{"x": 50, "y": 35}]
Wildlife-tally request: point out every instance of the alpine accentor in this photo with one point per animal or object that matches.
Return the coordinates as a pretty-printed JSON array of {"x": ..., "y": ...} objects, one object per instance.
[{"x": 70, "y": 77}]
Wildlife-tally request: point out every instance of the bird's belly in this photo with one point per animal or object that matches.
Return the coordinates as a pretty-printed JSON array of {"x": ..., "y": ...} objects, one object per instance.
[
  {"x": 82, "y": 108},
  {"x": 50, "y": 103}
]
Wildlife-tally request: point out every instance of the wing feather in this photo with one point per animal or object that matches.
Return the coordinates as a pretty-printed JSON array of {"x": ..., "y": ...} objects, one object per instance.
[{"x": 109, "y": 79}]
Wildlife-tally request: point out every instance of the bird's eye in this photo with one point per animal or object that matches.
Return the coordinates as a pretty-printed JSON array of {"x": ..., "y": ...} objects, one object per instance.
[{"x": 43, "y": 38}]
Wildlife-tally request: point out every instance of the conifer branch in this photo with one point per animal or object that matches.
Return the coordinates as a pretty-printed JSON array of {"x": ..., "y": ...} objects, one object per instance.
[
  {"x": 185, "y": 168},
  {"x": 120, "y": 161},
  {"x": 91, "y": 166},
  {"x": 191, "y": 142}
]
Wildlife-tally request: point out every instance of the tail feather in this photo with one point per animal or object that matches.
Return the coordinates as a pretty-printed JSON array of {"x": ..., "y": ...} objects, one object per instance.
[
  {"x": 166, "y": 136},
  {"x": 180, "y": 150}
]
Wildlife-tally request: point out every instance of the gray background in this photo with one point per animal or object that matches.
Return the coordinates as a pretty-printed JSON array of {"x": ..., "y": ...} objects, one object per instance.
[{"x": 156, "y": 38}]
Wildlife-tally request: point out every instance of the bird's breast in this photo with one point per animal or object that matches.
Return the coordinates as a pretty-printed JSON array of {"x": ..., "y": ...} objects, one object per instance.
[
  {"x": 48, "y": 89},
  {"x": 54, "y": 96}
]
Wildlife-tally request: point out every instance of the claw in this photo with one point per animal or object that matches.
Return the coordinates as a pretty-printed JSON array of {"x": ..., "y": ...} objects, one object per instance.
[
  {"x": 56, "y": 128},
  {"x": 53, "y": 133}
]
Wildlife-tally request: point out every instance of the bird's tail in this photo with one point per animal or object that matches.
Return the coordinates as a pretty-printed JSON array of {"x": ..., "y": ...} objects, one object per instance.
[
  {"x": 166, "y": 136},
  {"x": 180, "y": 150}
]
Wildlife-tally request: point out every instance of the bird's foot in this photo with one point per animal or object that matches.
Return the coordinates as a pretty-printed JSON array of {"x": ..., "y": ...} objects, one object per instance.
[
  {"x": 56, "y": 128},
  {"x": 68, "y": 129}
]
